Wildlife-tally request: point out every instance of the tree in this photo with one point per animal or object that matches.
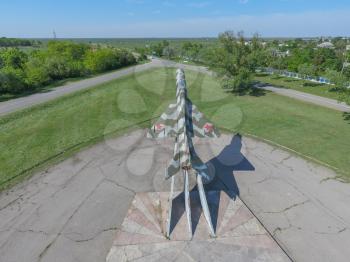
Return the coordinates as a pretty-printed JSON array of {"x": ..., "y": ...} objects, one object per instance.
[
  {"x": 14, "y": 42},
  {"x": 165, "y": 43},
  {"x": 65, "y": 59},
  {"x": 13, "y": 57},
  {"x": 341, "y": 84},
  {"x": 298, "y": 57},
  {"x": 279, "y": 63},
  {"x": 36, "y": 76},
  {"x": 337, "y": 78},
  {"x": 12, "y": 80},
  {"x": 346, "y": 72},
  {"x": 258, "y": 56},
  {"x": 307, "y": 70},
  {"x": 36, "y": 71},
  {"x": 69, "y": 50},
  {"x": 104, "y": 59},
  {"x": 100, "y": 60},
  {"x": 157, "y": 49},
  {"x": 169, "y": 52},
  {"x": 142, "y": 51},
  {"x": 232, "y": 60},
  {"x": 325, "y": 58},
  {"x": 62, "y": 59},
  {"x": 191, "y": 50}
]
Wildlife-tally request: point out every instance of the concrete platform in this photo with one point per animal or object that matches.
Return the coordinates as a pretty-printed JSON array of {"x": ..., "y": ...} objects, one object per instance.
[
  {"x": 240, "y": 236},
  {"x": 71, "y": 211}
]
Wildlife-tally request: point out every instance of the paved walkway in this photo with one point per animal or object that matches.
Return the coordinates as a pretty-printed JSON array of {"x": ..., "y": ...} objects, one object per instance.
[{"x": 71, "y": 212}]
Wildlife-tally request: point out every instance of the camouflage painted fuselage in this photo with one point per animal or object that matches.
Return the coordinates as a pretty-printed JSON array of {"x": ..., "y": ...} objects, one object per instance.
[{"x": 183, "y": 121}]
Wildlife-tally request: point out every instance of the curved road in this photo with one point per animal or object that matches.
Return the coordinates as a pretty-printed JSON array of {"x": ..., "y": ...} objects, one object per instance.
[
  {"x": 318, "y": 100},
  {"x": 25, "y": 102}
]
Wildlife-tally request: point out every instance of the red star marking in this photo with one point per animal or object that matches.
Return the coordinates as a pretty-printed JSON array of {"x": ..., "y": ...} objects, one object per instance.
[
  {"x": 208, "y": 128},
  {"x": 159, "y": 127}
]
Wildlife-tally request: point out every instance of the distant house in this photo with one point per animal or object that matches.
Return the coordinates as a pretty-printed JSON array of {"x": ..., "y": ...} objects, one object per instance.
[
  {"x": 278, "y": 53},
  {"x": 348, "y": 48},
  {"x": 326, "y": 45}
]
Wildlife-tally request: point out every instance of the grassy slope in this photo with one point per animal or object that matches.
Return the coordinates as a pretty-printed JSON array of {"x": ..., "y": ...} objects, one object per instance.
[
  {"x": 299, "y": 85},
  {"x": 35, "y": 135}
]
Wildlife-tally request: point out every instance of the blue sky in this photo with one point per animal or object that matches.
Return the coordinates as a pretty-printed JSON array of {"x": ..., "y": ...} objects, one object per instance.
[{"x": 173, "y": 18}]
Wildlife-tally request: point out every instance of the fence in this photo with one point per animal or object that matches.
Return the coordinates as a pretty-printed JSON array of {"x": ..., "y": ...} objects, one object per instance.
[{"x": 285, "y": 73}]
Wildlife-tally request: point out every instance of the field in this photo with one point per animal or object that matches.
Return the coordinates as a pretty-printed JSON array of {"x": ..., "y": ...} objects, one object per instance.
[
  {"x": 36, "y": 137},
  {"x": 299, "y": 85}
]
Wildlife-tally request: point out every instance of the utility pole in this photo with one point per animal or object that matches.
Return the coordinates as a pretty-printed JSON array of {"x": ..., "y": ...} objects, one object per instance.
[{"x": 54, "y": 34}]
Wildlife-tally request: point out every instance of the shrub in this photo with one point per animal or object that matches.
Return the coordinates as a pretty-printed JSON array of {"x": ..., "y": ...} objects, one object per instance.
[
  {"x": 104, "y": 59},
  {"x": 13, "y": 57},
  {"x": 57, "y": 67},
  {"x": 12, "y": 80},
  {"x": 19, "y": 71}
]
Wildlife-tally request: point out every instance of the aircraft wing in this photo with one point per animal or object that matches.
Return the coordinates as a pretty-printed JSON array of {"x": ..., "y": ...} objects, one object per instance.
[
  {"x": 200, "y": 125},
  {"x": 166, "y": 125}
]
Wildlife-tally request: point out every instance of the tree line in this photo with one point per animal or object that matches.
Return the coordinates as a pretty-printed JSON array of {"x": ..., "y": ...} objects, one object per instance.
[
  {"x": 12, "y": 42},
  {"x": 21, "y": 72},
  {"x": 236, "y": 59}
]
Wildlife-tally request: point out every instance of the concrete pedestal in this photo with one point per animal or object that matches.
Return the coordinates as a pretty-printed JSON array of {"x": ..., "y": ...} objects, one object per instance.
[{"x": 240, "y": 236}]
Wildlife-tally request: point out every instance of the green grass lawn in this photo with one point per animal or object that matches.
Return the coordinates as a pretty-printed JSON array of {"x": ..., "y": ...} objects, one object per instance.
[
  {"x": 46, "y": 133},
  {"x": 299, "y": 85}
]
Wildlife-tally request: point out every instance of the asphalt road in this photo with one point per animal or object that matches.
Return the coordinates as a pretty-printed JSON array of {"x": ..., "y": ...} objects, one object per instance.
[
  {"x": 71, "y": 211},
  {"x": 35, "y": 99},
  {"x": 25, "y": 102},
  {"x": 317, "y": 100}
]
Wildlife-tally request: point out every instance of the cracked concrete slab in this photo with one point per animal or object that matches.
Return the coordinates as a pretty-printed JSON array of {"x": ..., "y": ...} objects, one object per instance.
[
  {"x": 299, "y": 202},
  {"x": 71, "y": 211}
]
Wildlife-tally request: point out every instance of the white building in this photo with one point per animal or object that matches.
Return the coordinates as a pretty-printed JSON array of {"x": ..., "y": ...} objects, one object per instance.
[{"x": 326, "y": 45}]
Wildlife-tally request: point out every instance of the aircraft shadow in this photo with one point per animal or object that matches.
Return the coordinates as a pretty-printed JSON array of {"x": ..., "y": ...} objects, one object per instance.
[{"x": 229, "y": 160}]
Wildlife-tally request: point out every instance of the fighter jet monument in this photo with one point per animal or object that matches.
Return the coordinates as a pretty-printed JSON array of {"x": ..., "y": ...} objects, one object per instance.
[{"x": 183, "y": 121}]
